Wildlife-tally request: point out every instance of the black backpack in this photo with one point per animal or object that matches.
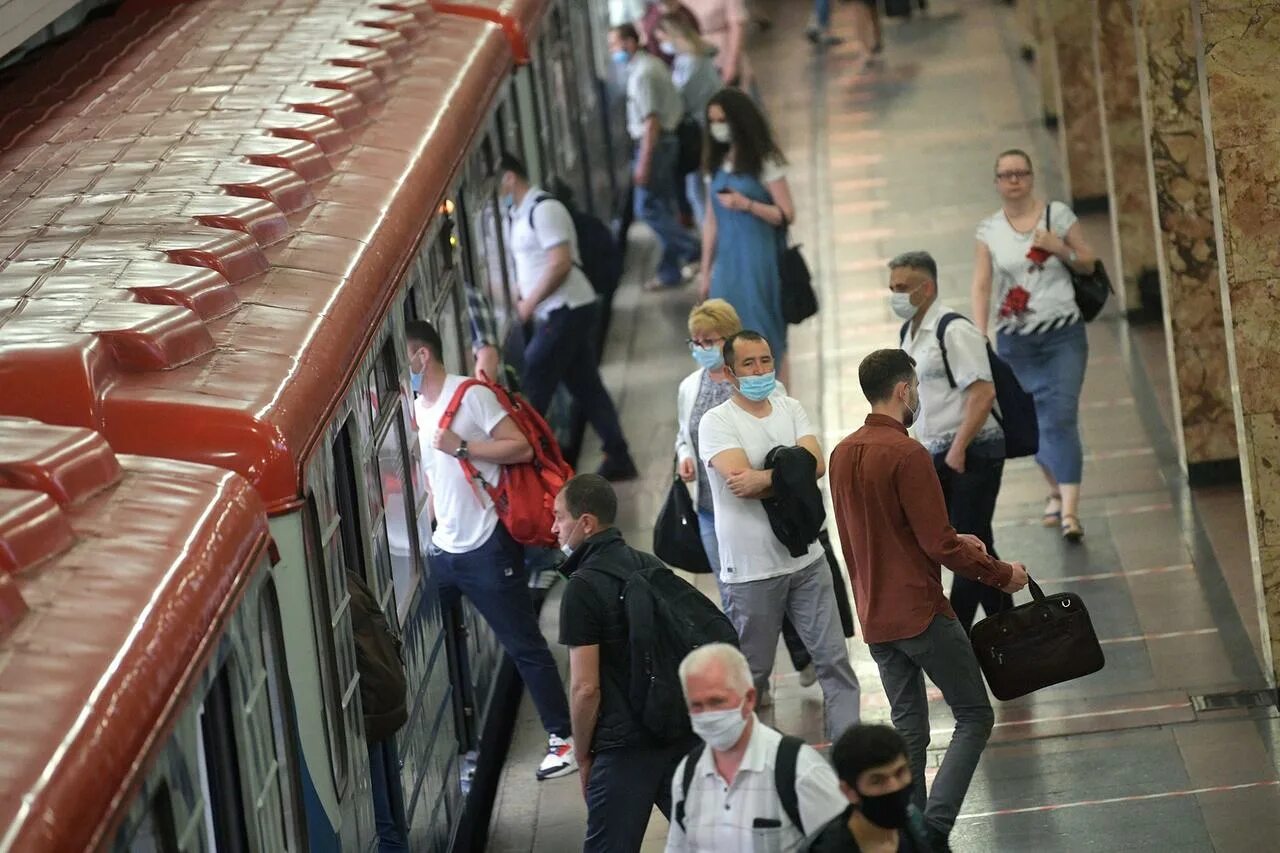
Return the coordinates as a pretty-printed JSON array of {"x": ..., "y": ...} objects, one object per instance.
[
  {"x": 383, "y": 686},
  {"x": 666, "y": 619},
  {"x": 601, "y": 260},
  {"x": 1015, "y": 409},
  {"x": 784, "y": 779},
  {"x": 689, "y": 137}
]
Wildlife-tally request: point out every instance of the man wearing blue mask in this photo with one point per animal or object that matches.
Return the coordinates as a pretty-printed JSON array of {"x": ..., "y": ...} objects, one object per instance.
[{"x": 760, "y": 580}]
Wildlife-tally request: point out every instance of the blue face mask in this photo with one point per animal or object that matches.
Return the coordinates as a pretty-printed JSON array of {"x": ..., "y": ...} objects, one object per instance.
[
  {"x": 621, "y": 57},
  {"x": 757, "y": 388},
  {"x": 415, "y": 379},
  {"x": 708, "y": 358},
  {"x": 508, "y": 201}
]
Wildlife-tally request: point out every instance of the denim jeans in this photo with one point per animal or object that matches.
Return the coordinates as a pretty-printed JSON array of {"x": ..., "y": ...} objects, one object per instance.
[
  {"x": 494, "y": 580},
  {"x": 656, "y": 205},
  {"x": 822, "y": 13},
  {"x": 1050, "y": 367},
  {"x": 942, "y": 652},
  {"x": 971, "y": 503},
  {"x": 562, "y": 349},
  {"x": 695, "y": 189},
  {"x": 624, "y": 786},
  {"x": 388, "y": 797}
]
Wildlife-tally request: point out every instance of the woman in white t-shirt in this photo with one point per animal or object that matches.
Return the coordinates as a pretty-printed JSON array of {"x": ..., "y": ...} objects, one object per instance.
[
  {"x": 749, "y": 210},
  {"x": 1026, "y": 252}
]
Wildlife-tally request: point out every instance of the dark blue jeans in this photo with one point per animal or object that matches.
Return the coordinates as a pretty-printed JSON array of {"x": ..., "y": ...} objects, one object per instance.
[
  {"x": 971, "y": 503},
  {"x": 562, "y": 349},
  {"x": 624, "y": 786},
  {"x": 494, "y": 579},
  {"x": 657, "y": 205},
  {"x": 388, "y": 797}
]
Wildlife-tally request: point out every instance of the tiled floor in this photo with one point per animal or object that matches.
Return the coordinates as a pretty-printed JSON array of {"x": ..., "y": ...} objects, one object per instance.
[{"x": 898, "y": 156}]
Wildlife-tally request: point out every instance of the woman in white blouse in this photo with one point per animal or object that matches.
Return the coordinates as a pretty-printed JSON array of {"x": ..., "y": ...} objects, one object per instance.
[{"x": 1026, "y": 253}]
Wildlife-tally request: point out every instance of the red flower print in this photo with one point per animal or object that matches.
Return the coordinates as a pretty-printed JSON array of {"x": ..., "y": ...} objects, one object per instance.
[{"x": 1015, "y": 302}]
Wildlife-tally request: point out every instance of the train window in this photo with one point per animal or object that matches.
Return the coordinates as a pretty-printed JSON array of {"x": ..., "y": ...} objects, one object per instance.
[
  {"x": 280, "y": 698},
  {"x": 324, "y": 549},
  {"x": 156, "y": 832},
  {"x": 224, "y": 815},
  {"x": 395, "y": 542}
]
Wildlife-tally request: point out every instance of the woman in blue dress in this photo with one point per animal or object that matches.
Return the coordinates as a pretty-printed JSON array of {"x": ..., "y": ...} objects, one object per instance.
[{"x": 749, "y": 207}]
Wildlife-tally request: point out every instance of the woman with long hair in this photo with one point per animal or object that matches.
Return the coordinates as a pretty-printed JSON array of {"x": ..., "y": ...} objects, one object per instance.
[
  {"x": 1027, "y": 251},
  {"x": 749, "y": 208}
]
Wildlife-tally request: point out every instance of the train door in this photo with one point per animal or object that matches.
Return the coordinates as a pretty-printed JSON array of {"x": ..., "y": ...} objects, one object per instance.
[{"x": 554, "y": 67}]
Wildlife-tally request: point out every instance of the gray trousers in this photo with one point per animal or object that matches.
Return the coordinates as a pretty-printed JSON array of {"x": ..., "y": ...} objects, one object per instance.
[
  {"x": 942, "y": 652},
  {"x": 807, "y": 596}
]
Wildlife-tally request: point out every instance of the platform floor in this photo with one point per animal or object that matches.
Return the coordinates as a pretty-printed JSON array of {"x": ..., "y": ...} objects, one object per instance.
[{"x": 897, "y": 156}]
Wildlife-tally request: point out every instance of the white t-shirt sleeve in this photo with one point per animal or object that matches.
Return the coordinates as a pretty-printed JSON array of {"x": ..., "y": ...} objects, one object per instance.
[
  {"x": 818, "y": 791},
  {"x": 983, "y": 234},
  {"x": 967, "y": 354},
  {"x": 483, "y": 408},
  {"x": 1061, "y": 218},
  {"x": 716, "y": 435},
  {"x": 772, "y": 170},
  {"x": 552, "y": 224},
  {"x": 800, "y": 418}
]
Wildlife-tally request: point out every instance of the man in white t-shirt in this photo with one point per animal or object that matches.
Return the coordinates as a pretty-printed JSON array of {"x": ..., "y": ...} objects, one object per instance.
[
  {"x": 956, "y": 422},
  {"x": 471, "y": 553},
  {"x": 760, "y": 580},
  {"x": 559, "y": 301}
]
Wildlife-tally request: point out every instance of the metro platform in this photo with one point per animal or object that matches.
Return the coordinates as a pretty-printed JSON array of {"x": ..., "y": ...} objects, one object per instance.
[{"x": 897, "y": 155}]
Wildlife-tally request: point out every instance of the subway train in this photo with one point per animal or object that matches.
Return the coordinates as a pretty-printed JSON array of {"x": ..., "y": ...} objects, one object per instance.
[{"x": 215, "y": 218}]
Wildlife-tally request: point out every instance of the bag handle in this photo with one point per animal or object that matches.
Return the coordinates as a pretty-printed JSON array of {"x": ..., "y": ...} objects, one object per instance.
[{"x": 1037, "y": 594}]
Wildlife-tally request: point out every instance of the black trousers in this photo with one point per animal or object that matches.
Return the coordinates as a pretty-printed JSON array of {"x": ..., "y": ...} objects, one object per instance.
[
  {"x": 971, "y": 503},
  {"x": 624, "y": 786}
]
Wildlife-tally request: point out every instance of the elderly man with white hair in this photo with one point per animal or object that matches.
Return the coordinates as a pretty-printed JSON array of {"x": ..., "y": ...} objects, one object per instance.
[{"x": 754, "y": 789}]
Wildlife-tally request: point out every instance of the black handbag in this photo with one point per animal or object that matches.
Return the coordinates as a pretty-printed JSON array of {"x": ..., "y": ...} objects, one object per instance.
[
  {"x": 676, "y": 540},
  {"x": 1046, "y": 641},
  {"x": 799, "y": 302},
  {"x": 1091, "y": 288}
]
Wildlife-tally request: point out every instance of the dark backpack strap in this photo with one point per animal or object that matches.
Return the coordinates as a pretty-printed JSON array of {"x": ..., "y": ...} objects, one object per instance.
[
  {"x": 537, "y": 200},
  {"x": 944, "y": 321},
  {"x": 902, "y": 333},
  {"x": 784, "y": 778},
  {"x": 686, "y": 779}
]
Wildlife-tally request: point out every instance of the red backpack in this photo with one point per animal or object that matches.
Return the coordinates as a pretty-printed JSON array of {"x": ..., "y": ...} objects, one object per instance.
[{"x": 525, "y": 493}]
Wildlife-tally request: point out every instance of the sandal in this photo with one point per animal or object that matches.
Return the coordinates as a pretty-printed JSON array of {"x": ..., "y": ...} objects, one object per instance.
[
  {"x": 1052, "y": 518},
  {"x": 1071, "y": 529}
]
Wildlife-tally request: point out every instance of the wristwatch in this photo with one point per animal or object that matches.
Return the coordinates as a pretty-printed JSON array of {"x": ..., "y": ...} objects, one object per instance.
[
  {"x": 462, "y": 452},
  {"x": 1073, "y": 257}
]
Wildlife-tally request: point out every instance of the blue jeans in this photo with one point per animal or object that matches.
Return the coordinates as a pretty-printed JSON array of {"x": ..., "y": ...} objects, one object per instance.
[
  {"x": 657, "y": 206},
  {"x": 822, "y": 13},
  {"x": 696, "y": 191},
  {"x": 1050, "y": 367},
  {"x": 494, "y": 579},
  {"x": 388, "y": 797}
]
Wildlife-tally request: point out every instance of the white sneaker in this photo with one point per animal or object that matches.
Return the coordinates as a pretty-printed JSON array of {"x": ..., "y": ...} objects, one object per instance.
[
  {"x": 808, "y": 676},
  {"x": 560, "y": 760}
]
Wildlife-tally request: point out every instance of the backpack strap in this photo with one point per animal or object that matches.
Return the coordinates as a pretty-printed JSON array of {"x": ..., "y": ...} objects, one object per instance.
[
  {"x": 944, "y": 321},
  {"x": 686, "y": 779},
  {"x": 902, "y": 333},
  {"x": 446, "y": 422},
  {"x": 539, "y": 199},
  {"x": 784, "y": 778}
]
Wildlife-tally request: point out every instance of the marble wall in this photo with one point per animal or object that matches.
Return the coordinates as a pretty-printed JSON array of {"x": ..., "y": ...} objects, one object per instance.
[
  {"x": 1079, "y": 114},
  {"x": 1187, "y": 248},
  {"x": 1127, "y": 169},
  {"x": 1238, "y": 52},
  {"x": 1046, "y": 59}
]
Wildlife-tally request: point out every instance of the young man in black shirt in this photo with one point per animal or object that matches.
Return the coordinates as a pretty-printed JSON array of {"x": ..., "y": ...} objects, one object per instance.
[{"x": 624, "y": 771}]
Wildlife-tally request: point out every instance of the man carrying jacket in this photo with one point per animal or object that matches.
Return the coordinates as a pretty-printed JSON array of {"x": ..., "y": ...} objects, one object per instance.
[{"x": 625, "y": 772}]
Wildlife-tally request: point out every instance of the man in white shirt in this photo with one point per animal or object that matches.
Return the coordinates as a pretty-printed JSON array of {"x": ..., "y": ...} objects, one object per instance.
[
  {"x": 557, "y": 298},
  {"x": 471, "y": 553},
  {"x": 654, "y": 110},
  {"x": 730, "y": 798},
  {"x": 956, "y": 422},
  {"x": 760, "y": 580}
]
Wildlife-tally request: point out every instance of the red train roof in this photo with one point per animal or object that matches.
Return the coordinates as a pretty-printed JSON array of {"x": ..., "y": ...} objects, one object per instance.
[
  {"x": 519, "y": 19},
  {"x": 204, "y": 210},
  {"x": 116, "y": 574}
]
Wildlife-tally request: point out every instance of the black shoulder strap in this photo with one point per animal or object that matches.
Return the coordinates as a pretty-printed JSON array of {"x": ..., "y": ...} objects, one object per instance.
[
  {"x": 784, "y": 778},
  {"x": 902, "y": 333},
  {"x": 537, "y": 200},
  {"x": 944, "y": 321},
  {"x": 1048, "y": 206},
  {"x": 686, "y": 779}
]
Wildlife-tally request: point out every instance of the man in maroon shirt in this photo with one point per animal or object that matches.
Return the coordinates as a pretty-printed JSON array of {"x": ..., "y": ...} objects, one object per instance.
[{"x": 893, "y": 526}]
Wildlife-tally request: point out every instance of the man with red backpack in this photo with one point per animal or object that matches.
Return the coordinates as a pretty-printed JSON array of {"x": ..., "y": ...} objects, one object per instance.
[{"x": 481, "y": 452}]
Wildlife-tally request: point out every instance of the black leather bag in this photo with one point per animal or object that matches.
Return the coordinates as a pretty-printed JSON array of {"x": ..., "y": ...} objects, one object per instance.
[
  {"x": 676, "y": 540},
  {"x": 1046, "y": 641},
  {"x": 799, "y": 302},
  {"x": 1091, "y": 288}
]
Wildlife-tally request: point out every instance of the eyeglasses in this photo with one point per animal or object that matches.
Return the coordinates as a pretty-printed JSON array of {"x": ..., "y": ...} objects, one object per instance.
[
  {"x": 1019, "y": 174},
  {"x": 703, "y": 342}
]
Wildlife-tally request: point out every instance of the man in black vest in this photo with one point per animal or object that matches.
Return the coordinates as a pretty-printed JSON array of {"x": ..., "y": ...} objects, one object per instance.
[{"x": 624, "y": 771}]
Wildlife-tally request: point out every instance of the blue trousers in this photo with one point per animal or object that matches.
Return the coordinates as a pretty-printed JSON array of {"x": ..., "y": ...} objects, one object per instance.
[
  {"x": 1050, "y": 367},
  {"x": 388, "y": 797},
  {"x": 822, "y": 13},
  {"x": 624, "y": 786},
  {"x": 657, "y": 205},
  {"x": 494, "y": 579}
]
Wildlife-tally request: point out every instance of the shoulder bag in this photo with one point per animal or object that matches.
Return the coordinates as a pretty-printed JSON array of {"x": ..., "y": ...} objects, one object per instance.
[
  {"x": 799, "y": 302},
  {"x": 676, "y": 539},
  {"x": 1092, "y": 288}
]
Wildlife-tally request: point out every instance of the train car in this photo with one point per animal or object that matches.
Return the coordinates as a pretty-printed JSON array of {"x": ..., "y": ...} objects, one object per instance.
[
  {"x": 215, "y": 218},
  {"x": 141, "y": 654}
]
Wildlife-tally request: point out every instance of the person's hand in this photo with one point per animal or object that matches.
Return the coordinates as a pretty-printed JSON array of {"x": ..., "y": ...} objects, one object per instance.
[
  {"x": 524, "y": 310},
  {"x": 1017, "y": 580},
  {"x": 749, "y": 483},
  {"x": 686, "y": 470},
  {"x": 641, "y": 174},
  {"x": 1049, "y": 241},
  {"x": 734, "y": 200},
  {"x": 584, "y": 774},
  {"x": 955, "y": 458},
  {"x": 487, "y": 362},
  {"x": 446, "y": 441},
  {"x": 704, "y": 284},
  {"x": 974, "y": 541}
]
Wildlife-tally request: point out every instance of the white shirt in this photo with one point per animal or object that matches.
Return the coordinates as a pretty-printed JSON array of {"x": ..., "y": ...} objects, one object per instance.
[
  {"x": 941, "y": 406},
  {"x": 531, "y": 245},
  {"x": 650, "y": 91},
  {"x": 772, "y": 169},
  {"x": 1053, "y": 299},
  {"x": 749, "y": 550},
  {"x": 719, "y": 817},
  {"x": 465, "y": 517}
]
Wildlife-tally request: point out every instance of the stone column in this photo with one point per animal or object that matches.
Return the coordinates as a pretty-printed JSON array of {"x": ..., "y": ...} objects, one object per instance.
[
  {"x": 1238, "y": 51},
  {"x": 1128, "y": 172},
  {"x": 1046, "y": 57},
  {"x": 1187, "y": 250},
  {"x": 1079, "y": 120}
]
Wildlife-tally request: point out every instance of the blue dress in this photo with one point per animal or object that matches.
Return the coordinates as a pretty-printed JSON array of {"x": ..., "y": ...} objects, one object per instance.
[{"x": 745, "y": 273}]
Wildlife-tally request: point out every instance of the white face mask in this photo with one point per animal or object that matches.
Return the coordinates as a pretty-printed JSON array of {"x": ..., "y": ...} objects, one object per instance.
[
  {"x": 901, "y": 304},
  {"x": 720, "y": 132},
  {"x": 566, "y": 548},
  {"x": 719, "y": 729}
]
